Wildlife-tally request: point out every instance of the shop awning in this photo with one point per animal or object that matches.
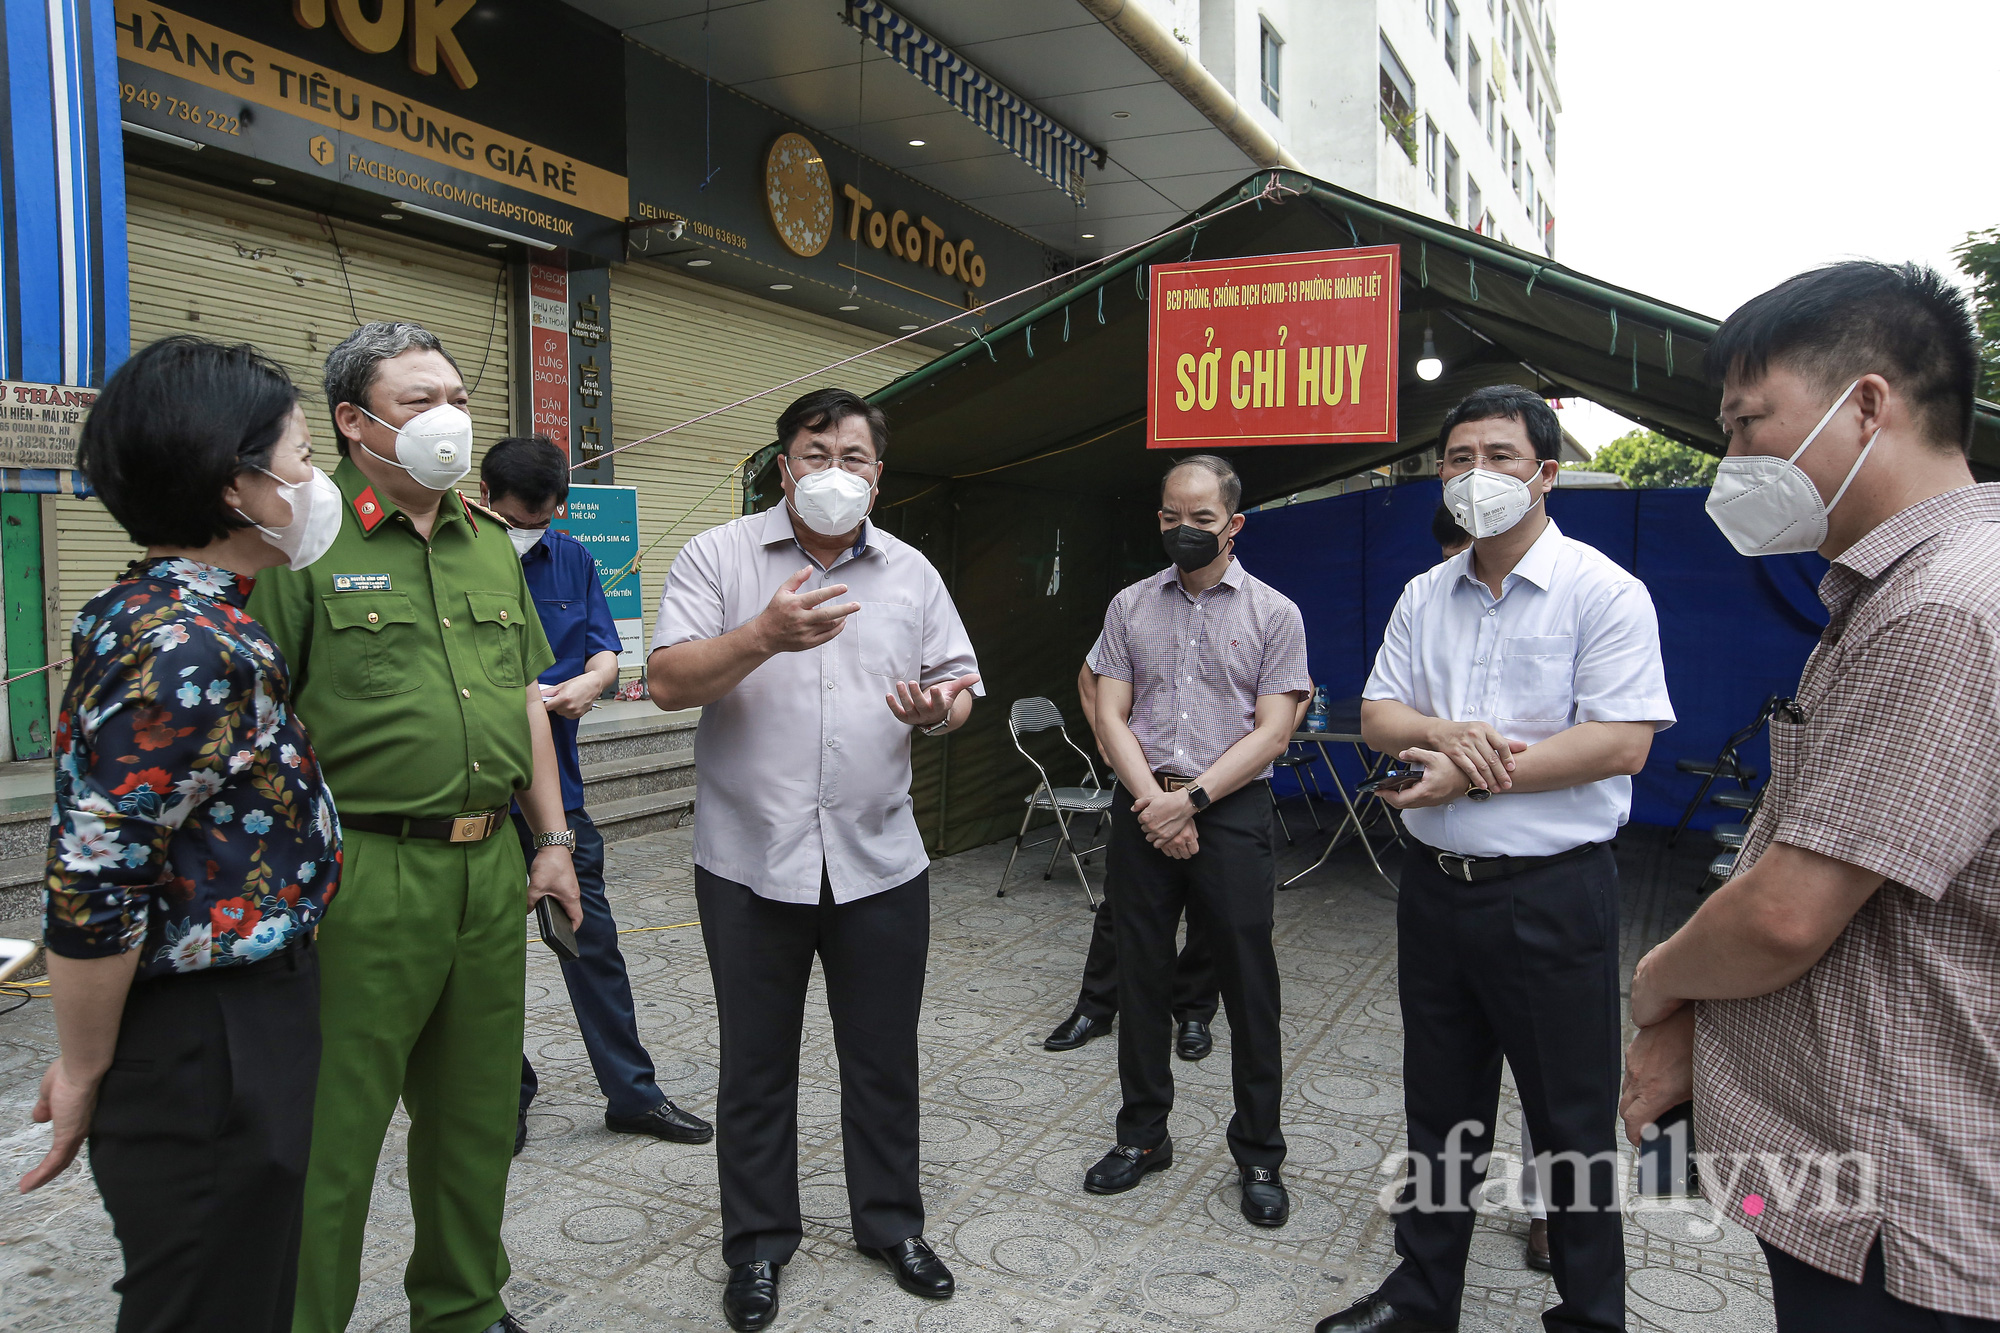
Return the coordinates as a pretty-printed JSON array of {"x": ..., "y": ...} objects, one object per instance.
[{"x": 1056, "y": 397}]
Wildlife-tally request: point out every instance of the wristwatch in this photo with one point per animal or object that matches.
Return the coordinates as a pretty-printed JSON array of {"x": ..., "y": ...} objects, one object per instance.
[
  {"x": 1196, "y": 796},
  {"x": 556, "y": 838},
  {"x": 936, "y": 728}
]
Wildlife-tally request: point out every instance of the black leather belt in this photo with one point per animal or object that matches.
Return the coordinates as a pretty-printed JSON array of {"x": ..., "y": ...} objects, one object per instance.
[
  {"x": 459, "y": 828},
  {"x": 1474, "y": 869}
]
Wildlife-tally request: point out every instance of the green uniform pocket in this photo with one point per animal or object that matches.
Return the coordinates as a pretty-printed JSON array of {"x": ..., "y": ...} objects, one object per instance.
[
  {"x": 373, "y": 640},
  {"x": 502, "y": 636}
]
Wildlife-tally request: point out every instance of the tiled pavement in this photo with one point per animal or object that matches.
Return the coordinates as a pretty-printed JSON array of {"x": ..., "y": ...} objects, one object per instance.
[{"x": 608, "y": 1232}]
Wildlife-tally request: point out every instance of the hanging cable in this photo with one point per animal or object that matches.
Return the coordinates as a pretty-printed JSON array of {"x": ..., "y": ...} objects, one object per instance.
[{"x": 1274, "y": 189}]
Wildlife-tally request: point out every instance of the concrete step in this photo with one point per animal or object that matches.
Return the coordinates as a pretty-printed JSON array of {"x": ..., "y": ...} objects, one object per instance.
[
  {"x": 641, "y": 775},
  {"x": 636, "y": 816},
  {"x": 626, "y": 730}
]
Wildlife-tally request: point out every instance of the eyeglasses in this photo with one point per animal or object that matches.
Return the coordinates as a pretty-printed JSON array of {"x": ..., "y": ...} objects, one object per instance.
[
  {"x": 859, "y": 463},
  {"x": 1498, "y": 458}
]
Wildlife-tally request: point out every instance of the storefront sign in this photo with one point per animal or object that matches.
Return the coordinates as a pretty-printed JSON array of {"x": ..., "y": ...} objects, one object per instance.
[
  {"x": 762, "y": 189},
  {"x": 41, "y": 423},
  {"x": 548, "y": 347},
  {"x": 406, "y": 123},
  {"x": 1277, "y": 349},
  {"x": 606, "y": 520}
]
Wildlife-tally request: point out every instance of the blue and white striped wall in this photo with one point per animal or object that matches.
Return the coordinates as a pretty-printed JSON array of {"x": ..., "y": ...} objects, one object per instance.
[{"x": 64, "y": 315}]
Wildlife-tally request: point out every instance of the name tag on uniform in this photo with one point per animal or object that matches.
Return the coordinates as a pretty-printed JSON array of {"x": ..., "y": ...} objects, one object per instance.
[{"x": 361, "y": 583}]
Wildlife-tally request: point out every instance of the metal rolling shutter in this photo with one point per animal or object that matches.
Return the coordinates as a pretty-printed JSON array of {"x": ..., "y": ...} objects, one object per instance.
[
  {"x": 236, "y": 268},
  {"x": 680, "y": 348}
]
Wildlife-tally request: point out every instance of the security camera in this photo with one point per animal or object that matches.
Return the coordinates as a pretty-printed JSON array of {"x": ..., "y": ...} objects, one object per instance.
[{"x": 676, "y": 231}]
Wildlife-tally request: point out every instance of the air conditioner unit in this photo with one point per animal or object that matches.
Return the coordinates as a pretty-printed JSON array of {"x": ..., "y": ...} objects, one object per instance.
[{"x": 1415, "y": 465}]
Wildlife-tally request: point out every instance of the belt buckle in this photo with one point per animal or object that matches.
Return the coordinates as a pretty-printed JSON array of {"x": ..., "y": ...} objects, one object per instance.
[
  {"x": 1464, "y": 870},
  {"x": 471, "y": 828}
]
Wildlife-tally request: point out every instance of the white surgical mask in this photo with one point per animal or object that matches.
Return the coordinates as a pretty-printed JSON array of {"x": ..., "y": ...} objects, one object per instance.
[
  {"x": 434, "y": 446},
  {"x": 1769, "y": 506},
  {"x": 525, "y": 539},
  {"x": 1486, "y": 504},
  {"x": 316, "y": 504},
  {"x": 832, "y": 501}
]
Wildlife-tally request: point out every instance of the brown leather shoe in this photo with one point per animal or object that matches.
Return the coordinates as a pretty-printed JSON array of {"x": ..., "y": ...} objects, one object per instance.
[{"x": 1538, "y": 1246}]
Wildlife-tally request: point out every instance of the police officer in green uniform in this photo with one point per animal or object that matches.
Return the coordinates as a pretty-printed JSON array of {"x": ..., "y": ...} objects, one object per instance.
[{"x": 414, "y": 648}]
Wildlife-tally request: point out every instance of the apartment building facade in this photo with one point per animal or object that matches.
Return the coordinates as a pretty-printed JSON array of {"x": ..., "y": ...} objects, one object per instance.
[{"x": 1444, "y": 107}]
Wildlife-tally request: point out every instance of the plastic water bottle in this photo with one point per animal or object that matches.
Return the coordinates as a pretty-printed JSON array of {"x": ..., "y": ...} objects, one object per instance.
[{"x": 1316, "y": 711}]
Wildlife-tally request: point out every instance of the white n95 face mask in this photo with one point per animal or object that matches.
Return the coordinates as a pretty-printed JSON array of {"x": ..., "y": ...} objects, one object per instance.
[
  {"x": 315, "y": 503},
  {"x": 434, "y": 446},
  {"x": 832, "y": 502},
  {"x": 1486, "y": 504},
  {"x": 1769, "y": 506},
  {"x": 525, "y": 539}
]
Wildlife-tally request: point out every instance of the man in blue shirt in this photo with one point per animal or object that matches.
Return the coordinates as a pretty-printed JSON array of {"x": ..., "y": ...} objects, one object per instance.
[{"x": 525, "y": 480}]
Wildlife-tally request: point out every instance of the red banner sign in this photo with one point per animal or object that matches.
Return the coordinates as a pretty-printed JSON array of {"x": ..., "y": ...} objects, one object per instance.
[
  {"x": 548, "y": 346},
  {"x": 1274, "y": 349}
]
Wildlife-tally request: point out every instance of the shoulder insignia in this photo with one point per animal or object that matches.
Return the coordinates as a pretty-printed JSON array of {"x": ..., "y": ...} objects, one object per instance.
[
  {"x": 474, "y": 507},
  {"x": 369, "y": 510}
]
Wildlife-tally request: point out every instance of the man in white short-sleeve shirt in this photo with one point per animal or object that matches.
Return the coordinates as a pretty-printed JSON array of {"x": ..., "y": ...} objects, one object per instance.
[
  {"x": 1524, "y": 676},
  {"x": 817, "y": 646}
]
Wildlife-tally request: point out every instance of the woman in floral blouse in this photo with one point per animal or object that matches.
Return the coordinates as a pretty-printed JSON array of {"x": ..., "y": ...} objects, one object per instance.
[{"x": 192, "y": 848}]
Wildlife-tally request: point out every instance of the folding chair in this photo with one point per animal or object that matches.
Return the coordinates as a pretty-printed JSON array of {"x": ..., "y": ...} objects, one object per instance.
[
  {"x": 1727, "y": 764},
  {"x": 1025, "y": 718},
  {"x": 1301, "y": 768}
]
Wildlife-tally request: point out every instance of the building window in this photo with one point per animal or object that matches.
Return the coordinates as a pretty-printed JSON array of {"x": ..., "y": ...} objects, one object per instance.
[
  {"x": 1549, "y": 232},
  {"x": 1513, "y": 156},
  {"x": 1431, "y": 162},
  {"x": 1399, "y": 101},
  {"x": 1549, "y": 39},
  {"x": 1475, "y": 206},
  {"x": 1451, "y": 180},
  {"x": 1528, "y": 194},
  {"x": 1492, "y": 116},
  {"x": 1519, "y": 45},
  {"x": 1431, "y": 14},
  {"x": 1475, "y": 77},
  {"x": 1549, "y": 139},
  {"x": 1451, "y": 35},
  {"x": 1270, "y": 50}
]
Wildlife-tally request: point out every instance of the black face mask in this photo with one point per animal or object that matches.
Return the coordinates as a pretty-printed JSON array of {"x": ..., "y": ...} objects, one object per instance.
[{"x": 1189, "y": 547}]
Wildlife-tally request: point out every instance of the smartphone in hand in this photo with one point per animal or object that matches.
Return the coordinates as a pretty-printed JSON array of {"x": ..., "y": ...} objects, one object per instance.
[
  {"x": 1397, "y": 777},
  {"x": 556, "y": 932}
]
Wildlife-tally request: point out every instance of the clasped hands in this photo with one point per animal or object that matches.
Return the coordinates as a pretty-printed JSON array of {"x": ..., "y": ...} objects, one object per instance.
[
  {"x": 1461, "y": 756},
  {"x": 1168, "y": 823}
]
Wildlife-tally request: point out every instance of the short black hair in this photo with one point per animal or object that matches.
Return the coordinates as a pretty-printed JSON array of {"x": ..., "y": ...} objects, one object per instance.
[
  {"x": 1217, "y": 466},
  {"x": 531, "y": 468},
  {"x": 176, "y": 424},
  {"x": 825, "y": 408},
  {"x": 1835, "y": 324},
  {"x": 352, "y": 366},
  {"x": 1444, "y": 527},
  {"x": 1514, "y": 403}
]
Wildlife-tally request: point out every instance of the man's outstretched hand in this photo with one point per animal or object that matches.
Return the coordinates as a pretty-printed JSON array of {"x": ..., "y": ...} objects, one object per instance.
[
  {"x": 794, "y": 622},
  {"x": 921, "y": 707}
]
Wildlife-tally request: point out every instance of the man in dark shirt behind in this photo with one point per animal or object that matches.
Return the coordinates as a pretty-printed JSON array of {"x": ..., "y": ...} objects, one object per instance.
[{"x": 525, "y": 481}]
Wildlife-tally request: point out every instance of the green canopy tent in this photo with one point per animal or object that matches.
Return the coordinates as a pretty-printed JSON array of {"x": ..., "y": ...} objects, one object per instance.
[{"x": 1017, "y": 462}]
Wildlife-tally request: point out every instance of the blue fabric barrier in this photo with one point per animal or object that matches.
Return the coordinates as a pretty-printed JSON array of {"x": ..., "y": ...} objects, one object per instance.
[{"x": 1732, "y": 629}]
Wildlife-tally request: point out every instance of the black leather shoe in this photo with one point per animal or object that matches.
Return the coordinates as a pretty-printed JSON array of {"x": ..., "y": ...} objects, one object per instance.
[
  {"x": 1074, "y": 1031},
  {"x": 665, "y": 1121},
  {"x": 1194, "y": 1042},
  {"x": 506, "y": 1323},
  {"x": 917, "y": 1268},
  {"x": 1374, "y": 1315},
  {"x": 1537, "y": 1255},
  {"x": 750, "y": 1300},
  {"x": 1124, "y": 1166},
  {"x": 1265, "y": 1200},
  {"x": 520, "y": 1133}
]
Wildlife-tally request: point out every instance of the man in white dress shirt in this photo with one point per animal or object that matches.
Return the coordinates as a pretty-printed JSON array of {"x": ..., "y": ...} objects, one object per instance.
[
  {"x": 816, "y": 645},
  {"x": 1524, "y": 676}
]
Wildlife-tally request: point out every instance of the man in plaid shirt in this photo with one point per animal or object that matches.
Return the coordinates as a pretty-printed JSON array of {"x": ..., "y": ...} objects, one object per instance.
[{"x": 1832, "y": 1009}]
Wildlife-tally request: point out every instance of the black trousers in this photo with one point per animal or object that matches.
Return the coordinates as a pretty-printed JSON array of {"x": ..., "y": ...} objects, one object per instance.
[
  {"x": 873, "y": 952},
  {"x": 600, "y": 991},
  {"x": 199, "y": 1144},
  {"x": 1227, "y": 890},
  {"x": 1811, "y": 1301},
  {"x": 1194, "y": 993},
  {"x": 1525, "y": 967}
]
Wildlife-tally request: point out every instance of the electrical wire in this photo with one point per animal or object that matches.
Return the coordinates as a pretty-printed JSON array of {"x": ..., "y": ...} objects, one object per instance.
[{"x": 340, "y": 256}]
